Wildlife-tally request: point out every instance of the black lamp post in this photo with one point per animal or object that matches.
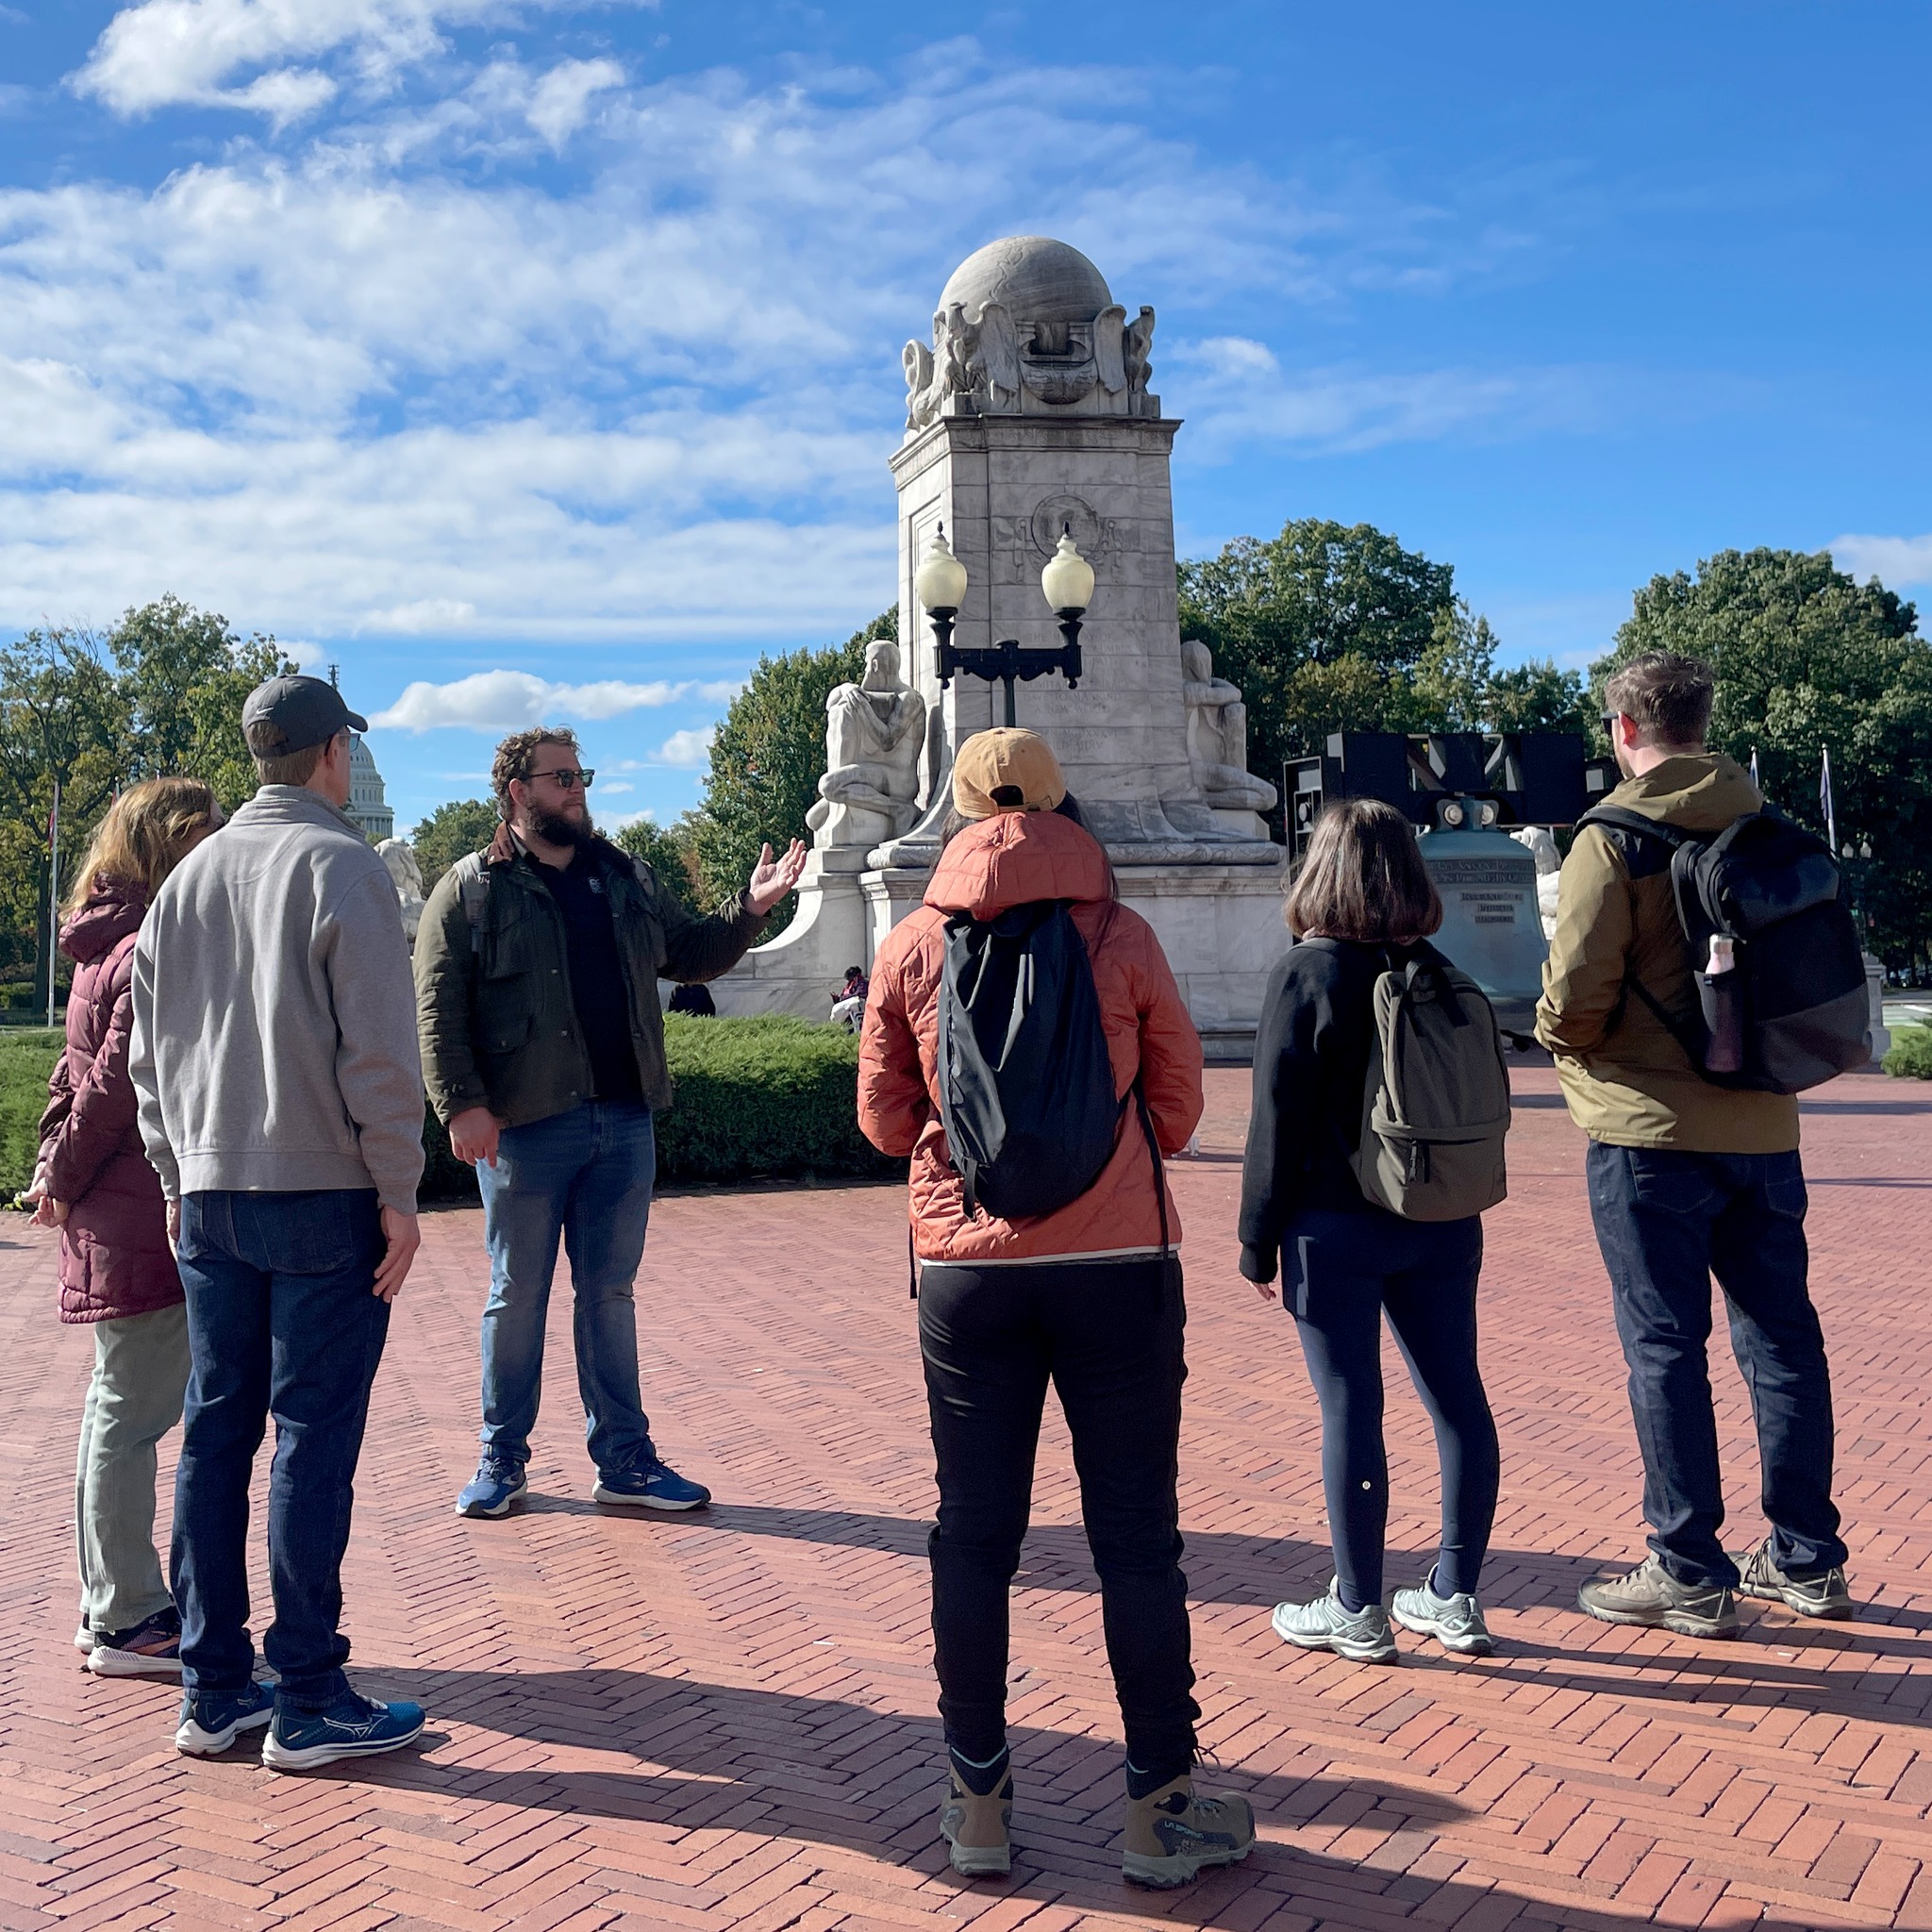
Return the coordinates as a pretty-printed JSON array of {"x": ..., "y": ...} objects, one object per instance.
[{"x": 1067, "y": 583}]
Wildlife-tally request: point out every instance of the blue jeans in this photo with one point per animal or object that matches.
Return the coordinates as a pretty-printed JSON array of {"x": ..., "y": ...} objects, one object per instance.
[
  {"x": 1341, "y": 1272},
  {"x": 585, "y": 1175},
  {"x": 283, "y": 1321},
  {"x": 1667, "y": 1220}
]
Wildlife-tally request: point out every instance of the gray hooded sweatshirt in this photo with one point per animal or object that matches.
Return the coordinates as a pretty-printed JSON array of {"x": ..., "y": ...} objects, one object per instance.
[{"x": 275, "y": 1016}]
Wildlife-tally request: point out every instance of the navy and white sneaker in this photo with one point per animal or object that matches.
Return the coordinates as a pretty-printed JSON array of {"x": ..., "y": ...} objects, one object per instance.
[
  {"x": 492, "y": 1489},
  {"x": 652, "y": 1484},
  {"x": 352, "y": 1726},
  {"x": 212, "y": 1720}
]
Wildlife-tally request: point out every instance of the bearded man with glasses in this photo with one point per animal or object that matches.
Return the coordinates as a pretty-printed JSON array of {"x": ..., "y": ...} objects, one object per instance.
[{"x": 537, "y": 970}]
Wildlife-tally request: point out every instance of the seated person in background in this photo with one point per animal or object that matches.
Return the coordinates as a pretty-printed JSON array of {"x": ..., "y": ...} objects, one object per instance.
[{"x": 848, "y": 1003}]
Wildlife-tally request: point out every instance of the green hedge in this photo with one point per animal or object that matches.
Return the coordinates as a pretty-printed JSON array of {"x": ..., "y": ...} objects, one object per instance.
[
  {"x": 1910, "y": 1058},
  {"x": 756, "y": 1098},
  {"x": 770, "y": 1096}
]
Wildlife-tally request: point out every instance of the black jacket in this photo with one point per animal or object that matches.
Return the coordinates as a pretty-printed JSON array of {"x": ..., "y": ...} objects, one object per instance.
[
  {"x": 1311, "y": 1062},
  {"x": 498, "y": 1026}
]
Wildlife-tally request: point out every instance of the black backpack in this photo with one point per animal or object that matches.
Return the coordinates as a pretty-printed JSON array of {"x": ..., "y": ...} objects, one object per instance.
[
  {"x": 1794, "y": 1011},
  {"x": 1026, "y": 1084}
]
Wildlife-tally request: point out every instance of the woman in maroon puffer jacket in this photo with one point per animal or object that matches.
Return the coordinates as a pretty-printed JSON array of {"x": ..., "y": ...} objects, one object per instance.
[{"x": 117, "y": 1270}]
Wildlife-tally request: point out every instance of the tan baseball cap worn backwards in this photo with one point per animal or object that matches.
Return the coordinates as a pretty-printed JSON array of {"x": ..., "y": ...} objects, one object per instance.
[{"x": 1005, "y": 770}]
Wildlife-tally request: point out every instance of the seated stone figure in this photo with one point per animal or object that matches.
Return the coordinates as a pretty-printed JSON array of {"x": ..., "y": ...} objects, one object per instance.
[
  {"x": 406, "y": 875},
  {"x": 1218, "y": 737},
  {"x": 874, "y": 737}
]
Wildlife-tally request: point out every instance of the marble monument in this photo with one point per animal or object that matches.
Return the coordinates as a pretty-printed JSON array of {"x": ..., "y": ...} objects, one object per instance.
[{"x": 1028, "y": 414}]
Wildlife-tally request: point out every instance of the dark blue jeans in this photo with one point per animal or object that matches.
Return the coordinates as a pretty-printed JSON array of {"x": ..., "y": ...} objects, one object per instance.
[
  {"x": 282, "y": 1321},
  {"x": 1108, "y": 1335},
  {"x": 1341, "y": 1272},
  {"x": 585, "y": 1177},
  {"x": 1667, "y": 1220}
]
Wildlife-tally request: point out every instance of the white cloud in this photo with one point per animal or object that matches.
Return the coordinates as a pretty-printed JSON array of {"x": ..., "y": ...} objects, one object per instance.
[
  {"x": 687, "y": 750},
  {"x": 513, "y": 700},
  {"x": 426, "y": 615},
  {"x": 615, "y": 788},
  {"x": 562, "y": 99},
  {"x": 168, "y": 52},
  {"x": 1895, "y": 560}
]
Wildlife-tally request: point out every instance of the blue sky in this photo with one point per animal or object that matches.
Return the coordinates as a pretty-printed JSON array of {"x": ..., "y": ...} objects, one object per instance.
[{"x": 544, "y": 357}]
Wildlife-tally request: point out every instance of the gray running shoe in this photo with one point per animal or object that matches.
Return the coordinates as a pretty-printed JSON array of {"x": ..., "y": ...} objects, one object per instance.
[
  {"x": 1361, "y": 1636},
  {"x": 1652, "y": 1596},
  {"x": 1455, "y": 1622},
  {"x": 1815, "y": 1596}
]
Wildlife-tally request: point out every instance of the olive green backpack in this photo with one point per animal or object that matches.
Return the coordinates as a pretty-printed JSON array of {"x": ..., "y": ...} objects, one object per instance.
[{"x": 1436, "y": 1103}]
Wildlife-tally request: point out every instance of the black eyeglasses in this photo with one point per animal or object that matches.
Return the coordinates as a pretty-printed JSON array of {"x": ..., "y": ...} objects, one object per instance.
[{"x": 568, "y": 776}]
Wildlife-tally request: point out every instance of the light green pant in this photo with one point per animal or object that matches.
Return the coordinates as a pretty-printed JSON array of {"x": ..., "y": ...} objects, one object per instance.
[{"x": 141, "y": 1374}]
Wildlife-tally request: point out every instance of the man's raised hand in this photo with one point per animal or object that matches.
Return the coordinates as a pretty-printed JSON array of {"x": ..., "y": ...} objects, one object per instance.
[{"x": 772, "y": 879}]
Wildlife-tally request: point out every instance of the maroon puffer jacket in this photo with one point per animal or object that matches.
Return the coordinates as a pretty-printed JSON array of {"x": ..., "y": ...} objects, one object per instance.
[{"x": 114, "y": 1254}]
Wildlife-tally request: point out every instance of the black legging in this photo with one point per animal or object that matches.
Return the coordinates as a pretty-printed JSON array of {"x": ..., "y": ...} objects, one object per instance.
[{"x": 1340, "y": 1272}]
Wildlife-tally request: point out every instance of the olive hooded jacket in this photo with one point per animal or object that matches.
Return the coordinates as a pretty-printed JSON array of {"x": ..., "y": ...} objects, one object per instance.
[{"x": 1627, "y": 1080}]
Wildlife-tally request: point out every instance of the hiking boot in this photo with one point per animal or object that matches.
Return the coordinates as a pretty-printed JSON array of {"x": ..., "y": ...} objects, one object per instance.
[
  {"x": 151, "y": 1648},
  {"x": 1811, "y": 1596},
  {"x": 976, "y": 1824},
  {"x": 1455, "y": 1622},
  {"x": 352, "y": 1726},
  {"x": 212, "y": 1720},
  {"x": 1650, "y": 1595},
  {"x": 491, "y": 1490},
  {"x": 1361, "y": 1636},
  {"x": 1174, "y": 1833},
  {"x": 652, "y": 1484}
]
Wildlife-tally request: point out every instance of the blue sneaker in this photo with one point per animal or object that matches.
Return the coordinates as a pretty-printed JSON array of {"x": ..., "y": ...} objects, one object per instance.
[
  {"x": 212, "y": 1720},
  {"x": 652, "y": 1484},
  {"x": 352, "y": 1726},
  {"x": 491, "y": 1490}
]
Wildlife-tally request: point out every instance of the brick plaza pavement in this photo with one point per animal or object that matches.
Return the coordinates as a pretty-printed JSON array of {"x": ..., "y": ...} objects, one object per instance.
[{"x": 725, "y": 1721}]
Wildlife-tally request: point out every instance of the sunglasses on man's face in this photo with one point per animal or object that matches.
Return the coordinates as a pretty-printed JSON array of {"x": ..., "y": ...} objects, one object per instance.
[{"x": 568, "y": 777}]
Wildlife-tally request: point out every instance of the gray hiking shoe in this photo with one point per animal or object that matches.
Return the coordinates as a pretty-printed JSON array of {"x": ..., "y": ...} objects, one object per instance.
[
  {"x": 1814, "y": 1596},
  {"x": 978, "y": 1830},
  {"x": 1650, "y": 1595},
  {"x": 1361, "y": 1636},
  {"x": 1455, "y": 1622}
]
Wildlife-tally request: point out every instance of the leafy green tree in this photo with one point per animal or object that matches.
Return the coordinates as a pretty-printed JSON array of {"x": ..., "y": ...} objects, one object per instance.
[
  {"x": 667, "y": 850},
  {"x": 62, "y": 720},
  {"x": 1808, "y": 659},
  {"x": 451, "y": 832},
  {"x": 184, "y": 678},
  {"x": 767, "y": 759}
]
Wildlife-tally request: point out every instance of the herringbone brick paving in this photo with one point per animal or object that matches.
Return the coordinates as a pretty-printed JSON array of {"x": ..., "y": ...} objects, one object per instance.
[{"x": 725, "y": 1721}]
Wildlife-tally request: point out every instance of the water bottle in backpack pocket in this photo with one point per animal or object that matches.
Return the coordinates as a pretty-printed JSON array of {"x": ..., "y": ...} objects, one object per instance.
[{"x": 1436, "y": 1103}]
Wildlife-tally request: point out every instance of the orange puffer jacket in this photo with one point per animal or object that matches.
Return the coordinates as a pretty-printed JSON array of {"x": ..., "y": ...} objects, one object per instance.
[{"x": 1013, "y": 860}]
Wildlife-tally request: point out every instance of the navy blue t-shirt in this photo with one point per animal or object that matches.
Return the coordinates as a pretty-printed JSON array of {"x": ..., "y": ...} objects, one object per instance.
[{"x": 599, "y": 989}]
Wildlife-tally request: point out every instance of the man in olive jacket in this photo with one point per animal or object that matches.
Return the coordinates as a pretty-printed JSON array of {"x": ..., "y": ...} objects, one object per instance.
[
  {"x": 1687, "y": 1179},
  {"x": 537, "y": 970}
]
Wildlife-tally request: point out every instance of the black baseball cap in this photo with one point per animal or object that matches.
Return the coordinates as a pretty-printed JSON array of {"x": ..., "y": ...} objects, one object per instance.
[{"x": 300, "y": 711}]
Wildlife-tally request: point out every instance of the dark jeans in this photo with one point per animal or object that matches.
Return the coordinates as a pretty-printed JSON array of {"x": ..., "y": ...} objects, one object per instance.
[
  {"x": 1340, "y": 1272},
  {"x": 1667, "y": 1220},
  {"x": 1107, "y": 1334},
  {"x": 283, "y": 1322},
  {"x": 584, "y": 1176}
]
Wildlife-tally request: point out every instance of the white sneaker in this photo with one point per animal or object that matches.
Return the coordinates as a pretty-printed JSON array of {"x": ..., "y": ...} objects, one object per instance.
[
  {"x": 1361, "y": 1636},
  {"x": 1455, "y": 1622}
]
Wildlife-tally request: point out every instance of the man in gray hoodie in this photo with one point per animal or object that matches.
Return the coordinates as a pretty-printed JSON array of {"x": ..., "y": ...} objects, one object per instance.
[{"x": 281, "y": 1103}]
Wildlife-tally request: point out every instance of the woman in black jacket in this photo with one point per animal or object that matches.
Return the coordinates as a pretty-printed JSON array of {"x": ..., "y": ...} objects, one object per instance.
[{"x": 1362, "y": 903}]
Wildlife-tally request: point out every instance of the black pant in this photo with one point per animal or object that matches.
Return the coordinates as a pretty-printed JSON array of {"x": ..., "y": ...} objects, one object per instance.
[
  {"x": 1666, "y": 1221},
  {"x": 1108, "y": 1333},
  {"x": 1340, "y": 1272}
]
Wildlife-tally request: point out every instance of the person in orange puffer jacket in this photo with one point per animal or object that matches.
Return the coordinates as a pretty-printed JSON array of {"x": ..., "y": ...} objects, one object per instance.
[{"x": 1089, "y": 1296}]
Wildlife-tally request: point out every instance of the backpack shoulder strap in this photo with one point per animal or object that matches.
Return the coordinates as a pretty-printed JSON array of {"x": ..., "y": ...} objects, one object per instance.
[{"x": 472, "y": 888}]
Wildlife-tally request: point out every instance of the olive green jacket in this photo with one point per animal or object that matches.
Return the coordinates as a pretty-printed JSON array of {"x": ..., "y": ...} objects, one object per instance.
[
  {"x": 493, "y": 1008},
  {"x": 1627, "y": 1080}
]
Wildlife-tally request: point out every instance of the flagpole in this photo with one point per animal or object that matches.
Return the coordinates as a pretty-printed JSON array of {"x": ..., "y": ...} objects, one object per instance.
[
  {"x": 53, "y": 896},
  {"x": 1824, "y": 799}
]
